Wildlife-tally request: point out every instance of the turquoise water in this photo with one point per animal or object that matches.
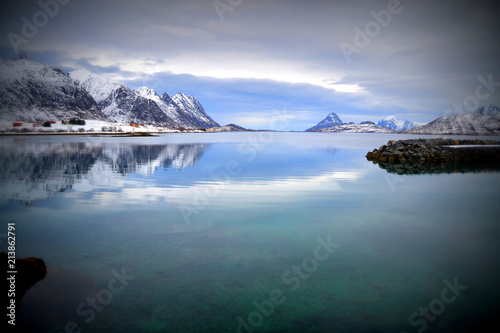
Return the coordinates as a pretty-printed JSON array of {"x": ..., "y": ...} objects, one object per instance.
[{"x": 247, "y": 232}]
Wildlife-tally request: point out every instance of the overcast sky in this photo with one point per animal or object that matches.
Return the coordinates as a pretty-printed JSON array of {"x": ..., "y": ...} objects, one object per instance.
[{"x": 248, "y": 60}]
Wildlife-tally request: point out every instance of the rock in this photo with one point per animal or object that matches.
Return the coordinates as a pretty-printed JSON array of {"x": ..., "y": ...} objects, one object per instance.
[
  {"x": 29, "y": 271},
  {"x": 414, "y": 154}
]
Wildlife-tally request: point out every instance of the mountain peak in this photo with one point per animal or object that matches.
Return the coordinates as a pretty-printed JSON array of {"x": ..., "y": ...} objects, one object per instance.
[
  {"x": 332, "y": 115},
  {"x": 182, "y": 95},
  {"x": 146, "y": 92},
  {"x": 82, "y": 75},
  {"x": 195, "y": 110},
  {"x": 100, "y": 87},
  {"x": 331, "y": 120}
]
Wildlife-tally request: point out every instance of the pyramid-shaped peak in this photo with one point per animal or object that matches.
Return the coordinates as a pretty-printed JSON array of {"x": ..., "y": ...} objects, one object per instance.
[{"x": 331, "y": 120}]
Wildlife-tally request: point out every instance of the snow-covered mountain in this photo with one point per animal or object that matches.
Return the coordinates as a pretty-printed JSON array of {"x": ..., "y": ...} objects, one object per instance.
[
  {"x": 363, "y": 127},
  {"x": 34, "y": 92},
  {"x": 185, "y": 111},
  {"x": 397, "y": 124},
  {"x": 492, "y": 110},
  {"x": 143, "y": 105},
  {"x": 119, "y": 103},
  {"x": 412, "y": 124},
  {"x": 194, "y": 112},
  {"x": 164, "y": 102},
  {"x": 473, "y": 123},
  {"x": 331, "y": 120}
]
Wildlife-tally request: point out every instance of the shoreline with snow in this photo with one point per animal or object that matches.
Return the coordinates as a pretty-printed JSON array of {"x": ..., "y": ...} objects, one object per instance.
[{"x": 91, "y": 127}]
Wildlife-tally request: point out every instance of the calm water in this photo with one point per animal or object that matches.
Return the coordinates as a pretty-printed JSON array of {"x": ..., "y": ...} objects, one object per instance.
[{"x": 269, "y": 232}]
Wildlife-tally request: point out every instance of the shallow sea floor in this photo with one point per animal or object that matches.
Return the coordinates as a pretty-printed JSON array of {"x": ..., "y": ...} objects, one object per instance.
[{"x": 243, "y": 232}]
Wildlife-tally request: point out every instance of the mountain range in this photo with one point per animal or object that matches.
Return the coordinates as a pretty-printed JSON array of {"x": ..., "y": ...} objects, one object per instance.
[
  {"x": 34, "y": 92},
  {"x": 397, "y": 124},
  {"x": 484, "y": 121},
  {"x": 333, "y": 123},
  {"x": 481, "y": 122}
]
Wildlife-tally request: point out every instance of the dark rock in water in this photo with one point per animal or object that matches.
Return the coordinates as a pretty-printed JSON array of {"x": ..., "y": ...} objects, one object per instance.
[
  {"x": 435, "y": 156},
  {"x": 29, "y": 272}
]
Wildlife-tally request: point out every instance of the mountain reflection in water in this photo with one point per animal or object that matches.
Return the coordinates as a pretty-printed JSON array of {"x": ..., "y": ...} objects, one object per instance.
[{"x": 33, "y": 171}]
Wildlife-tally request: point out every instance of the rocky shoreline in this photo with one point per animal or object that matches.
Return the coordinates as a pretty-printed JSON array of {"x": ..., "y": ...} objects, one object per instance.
[{"x": 417, "y": 156}]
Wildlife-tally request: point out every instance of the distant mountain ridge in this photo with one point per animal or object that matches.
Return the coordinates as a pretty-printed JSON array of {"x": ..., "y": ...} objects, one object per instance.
[
  {"x": 481, "y": 122},
  {"x": 397, "y": 124},
  {"x": 332, "y": 123},
  {"x": 228, "y": 128},
  {"x": 35, "y": 92}
]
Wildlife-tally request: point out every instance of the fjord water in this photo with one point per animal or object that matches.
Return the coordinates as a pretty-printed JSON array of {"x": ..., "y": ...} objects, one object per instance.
[{"x": 244, "y": 232}]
